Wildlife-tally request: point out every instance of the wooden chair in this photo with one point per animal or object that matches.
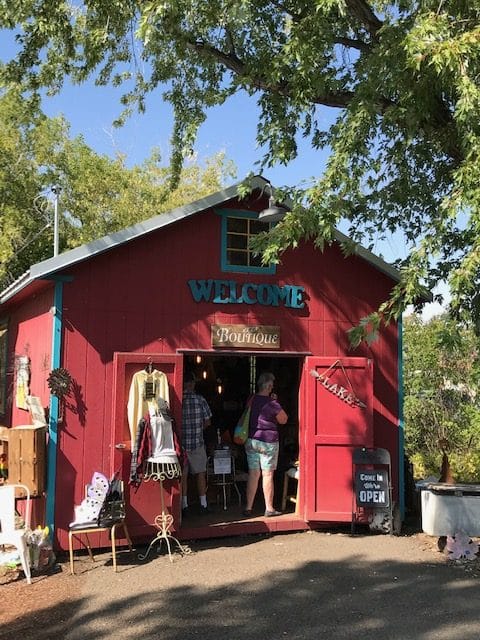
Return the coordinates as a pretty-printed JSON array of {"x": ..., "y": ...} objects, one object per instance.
[
  {"x": 78, "y": 530},
  {"x": 291, "y": 475}
]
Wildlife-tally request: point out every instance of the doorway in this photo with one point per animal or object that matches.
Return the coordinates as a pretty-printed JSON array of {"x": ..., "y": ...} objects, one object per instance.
[{"x": 226, "y": 381}]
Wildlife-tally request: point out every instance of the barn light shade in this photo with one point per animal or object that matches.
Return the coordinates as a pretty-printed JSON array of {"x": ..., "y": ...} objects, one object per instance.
[{"x": 275, "y": 211}]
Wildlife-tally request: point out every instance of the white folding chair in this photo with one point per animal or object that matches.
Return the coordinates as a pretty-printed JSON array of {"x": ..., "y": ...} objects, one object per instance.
[{"x": 9, "y": 535}]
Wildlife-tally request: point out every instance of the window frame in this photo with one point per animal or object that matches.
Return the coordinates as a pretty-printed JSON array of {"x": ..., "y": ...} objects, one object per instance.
[{"x": 237, "y": 268}]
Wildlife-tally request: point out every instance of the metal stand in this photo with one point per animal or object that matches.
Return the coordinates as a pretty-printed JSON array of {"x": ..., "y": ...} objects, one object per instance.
[
  {"x": 221, "y": 474},
  {"x": 159, "y": 472}
]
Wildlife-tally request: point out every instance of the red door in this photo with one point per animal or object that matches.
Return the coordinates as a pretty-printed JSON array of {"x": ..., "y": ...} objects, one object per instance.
[
  {"x": 144, "y": 502},
  {"x": 339, "y": 401}
]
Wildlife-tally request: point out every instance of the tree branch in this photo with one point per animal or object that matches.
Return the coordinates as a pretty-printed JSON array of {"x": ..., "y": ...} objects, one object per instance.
[
  {"x": 231, "y": 61},
  {"x": 353, "y": 44},
  {"x": 364, "y": 13},
  {"x": 336, "y": 99},
  {"x": 347, "y": 42},
  {"x": 229, "y": 37},
  {"x": 339, "y": 99}
]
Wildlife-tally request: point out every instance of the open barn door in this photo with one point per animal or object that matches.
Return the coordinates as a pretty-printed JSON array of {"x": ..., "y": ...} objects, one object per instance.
[{"x": 339, "y": 418}]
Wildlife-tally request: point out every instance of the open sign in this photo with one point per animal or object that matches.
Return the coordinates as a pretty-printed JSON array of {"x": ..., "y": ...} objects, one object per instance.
[{"x": 371, "y": 488}]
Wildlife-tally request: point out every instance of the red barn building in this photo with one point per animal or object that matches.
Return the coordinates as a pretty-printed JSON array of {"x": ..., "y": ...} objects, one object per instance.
[{"x": 182, "y": 290}]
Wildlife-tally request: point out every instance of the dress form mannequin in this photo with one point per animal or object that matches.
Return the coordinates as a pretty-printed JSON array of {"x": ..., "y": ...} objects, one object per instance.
[{"x": 162, "y": 465}]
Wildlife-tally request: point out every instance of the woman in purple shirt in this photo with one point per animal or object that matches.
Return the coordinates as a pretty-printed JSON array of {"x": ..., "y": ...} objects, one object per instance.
[{"x": 262, "y": 443}]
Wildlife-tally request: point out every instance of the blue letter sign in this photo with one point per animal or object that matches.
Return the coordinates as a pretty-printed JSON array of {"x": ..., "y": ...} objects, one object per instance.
[{"x": 231, "y": 292}]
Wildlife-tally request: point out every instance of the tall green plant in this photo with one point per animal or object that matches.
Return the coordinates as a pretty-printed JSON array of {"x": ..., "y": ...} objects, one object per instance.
[{"x": 442, "y": 399}]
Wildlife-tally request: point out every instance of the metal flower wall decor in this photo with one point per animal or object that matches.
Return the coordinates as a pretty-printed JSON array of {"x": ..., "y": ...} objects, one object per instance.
[
  {"x": 461, "y": 546},
  {"x": 59, "y": 382}
]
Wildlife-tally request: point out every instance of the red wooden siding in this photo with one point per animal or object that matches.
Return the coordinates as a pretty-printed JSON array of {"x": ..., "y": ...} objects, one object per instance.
[
  {"x": 29, "y": 334},
  {"x": 135, "y": 299}
]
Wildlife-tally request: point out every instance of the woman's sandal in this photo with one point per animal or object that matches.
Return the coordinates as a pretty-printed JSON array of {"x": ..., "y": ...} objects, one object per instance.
[
  {"x": 247, "y": 513},
  {"x": 271, "y": 514}
]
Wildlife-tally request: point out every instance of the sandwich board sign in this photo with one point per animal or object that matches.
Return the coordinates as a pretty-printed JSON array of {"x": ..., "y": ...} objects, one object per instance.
[{"x": 371, "y": 488}]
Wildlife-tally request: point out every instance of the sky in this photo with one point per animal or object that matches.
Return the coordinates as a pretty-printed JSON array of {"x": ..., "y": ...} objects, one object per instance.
[
  {"x": 91, "y": 110},
  {"x": 231, "y": 128}
]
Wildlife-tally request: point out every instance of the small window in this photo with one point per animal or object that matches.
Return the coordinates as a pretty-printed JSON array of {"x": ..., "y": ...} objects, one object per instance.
[{"x": 238, "y": 229}]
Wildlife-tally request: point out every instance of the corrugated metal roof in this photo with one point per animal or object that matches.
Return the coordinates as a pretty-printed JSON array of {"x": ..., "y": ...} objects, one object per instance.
[
  {"x": 61, "y": 262},
  {"x": 17, "y": 284}
]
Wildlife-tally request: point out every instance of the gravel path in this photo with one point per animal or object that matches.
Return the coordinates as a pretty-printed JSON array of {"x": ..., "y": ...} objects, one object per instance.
[{"x": 305, "y": 585}]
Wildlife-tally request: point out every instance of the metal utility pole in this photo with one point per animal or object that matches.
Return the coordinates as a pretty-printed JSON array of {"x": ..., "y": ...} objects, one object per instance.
[{"x": 56, "y": 192}]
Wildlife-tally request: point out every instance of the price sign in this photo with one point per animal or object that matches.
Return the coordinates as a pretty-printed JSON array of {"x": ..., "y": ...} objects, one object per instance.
[{"x": 222, "y": 466}]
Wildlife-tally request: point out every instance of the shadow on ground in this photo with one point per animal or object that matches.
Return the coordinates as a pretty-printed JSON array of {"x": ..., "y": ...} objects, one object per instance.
[{"x": 319, "y": 599}]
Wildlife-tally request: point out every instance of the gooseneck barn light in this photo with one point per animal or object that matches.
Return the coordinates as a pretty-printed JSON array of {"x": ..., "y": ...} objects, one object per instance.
[{"x": 275, "y": 211}]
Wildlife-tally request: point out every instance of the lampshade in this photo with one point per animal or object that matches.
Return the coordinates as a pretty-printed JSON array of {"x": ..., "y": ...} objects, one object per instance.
[{"x": 275, "y": 211}]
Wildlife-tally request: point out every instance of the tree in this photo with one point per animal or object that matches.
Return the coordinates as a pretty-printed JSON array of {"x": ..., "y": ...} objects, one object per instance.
[
  {"x": 27, "y": 144},
  {"x": 98, "y": 194},
  {"x": 102, "y": 195},
  {"x": 442, "y": 404},
  {"x": 402, "y": 75}
]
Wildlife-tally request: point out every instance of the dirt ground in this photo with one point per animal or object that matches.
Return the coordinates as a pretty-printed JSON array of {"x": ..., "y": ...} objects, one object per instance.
[{"x": 298, "y": 585}]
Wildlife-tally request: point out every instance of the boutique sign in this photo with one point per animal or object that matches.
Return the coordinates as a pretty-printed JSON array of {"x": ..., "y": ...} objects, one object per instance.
[
  {"x": 231, "y": 292},
  {"x": 245, "y": 336}
]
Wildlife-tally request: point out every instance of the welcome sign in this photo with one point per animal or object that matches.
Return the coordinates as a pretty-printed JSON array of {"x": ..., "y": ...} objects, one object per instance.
[
  {"x": 245, "y": 336},
  {"x": 231, "y": 292}
]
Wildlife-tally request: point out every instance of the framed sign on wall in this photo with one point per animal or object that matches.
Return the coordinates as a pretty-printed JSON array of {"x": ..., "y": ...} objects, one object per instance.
[{"x": 243, "y": 336}]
